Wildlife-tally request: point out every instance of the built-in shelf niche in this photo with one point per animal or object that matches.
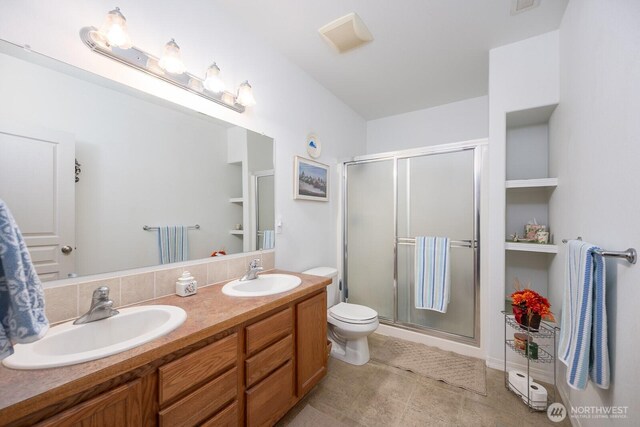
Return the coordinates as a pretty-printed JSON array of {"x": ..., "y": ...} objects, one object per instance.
[
  {"x": 528, "y": 182},
  {"x": 528, "y": 188}
]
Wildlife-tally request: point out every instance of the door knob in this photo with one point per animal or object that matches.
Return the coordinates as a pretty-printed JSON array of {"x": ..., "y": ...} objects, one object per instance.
[{"x": 66, "y": 249}]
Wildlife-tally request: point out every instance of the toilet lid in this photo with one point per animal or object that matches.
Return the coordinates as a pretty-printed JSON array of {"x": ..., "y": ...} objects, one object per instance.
[{"x": 353, "y": 313}]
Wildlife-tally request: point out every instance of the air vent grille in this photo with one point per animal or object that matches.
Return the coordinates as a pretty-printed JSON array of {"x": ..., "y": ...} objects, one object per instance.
[
  {"x": 519, "y": 6},
  {"x": 346, "y": 33}
]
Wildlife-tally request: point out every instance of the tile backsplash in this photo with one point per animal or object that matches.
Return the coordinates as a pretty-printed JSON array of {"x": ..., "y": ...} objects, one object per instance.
[{"x": 66, "y": 302}]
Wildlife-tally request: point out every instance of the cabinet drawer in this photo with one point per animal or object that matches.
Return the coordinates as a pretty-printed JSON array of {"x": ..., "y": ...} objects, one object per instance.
[
  {"x": 179, "y": 375},
  {"x": 271, "y": 398},
  {"x": 118, "y": 407},
  {"x": 268, "y": 330},
  {"x": 228, "y": 417},
  {"x": 202, "y": 403},
  {"x": 263, "y": 363}
]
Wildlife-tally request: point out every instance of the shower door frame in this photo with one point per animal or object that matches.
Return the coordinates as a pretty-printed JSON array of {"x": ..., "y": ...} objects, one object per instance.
[{"x": 395, "y": 156}]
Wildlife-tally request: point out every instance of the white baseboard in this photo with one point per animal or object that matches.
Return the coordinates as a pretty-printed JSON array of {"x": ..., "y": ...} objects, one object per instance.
[
  {"x": 443, "y": 344},
  {"x": 575, "y": 422},
  {"x": 537, "y": 373}
]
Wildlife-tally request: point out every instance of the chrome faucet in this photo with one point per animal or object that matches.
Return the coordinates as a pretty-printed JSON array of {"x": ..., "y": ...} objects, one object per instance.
[
  {"x": 101, "y": 307},
  {"x": 252, "y": 273}
]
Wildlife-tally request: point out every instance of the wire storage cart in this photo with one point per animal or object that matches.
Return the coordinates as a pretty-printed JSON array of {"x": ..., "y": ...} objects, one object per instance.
[{"x": 545, "y": 338}]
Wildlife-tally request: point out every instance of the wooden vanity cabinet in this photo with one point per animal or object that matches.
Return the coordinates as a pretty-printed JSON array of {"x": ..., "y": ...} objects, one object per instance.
[
  {"x": 311, "y": 342},
  {"x": 249, "y": 375},
  {"x": 192, "y": 389},
  {"x": 269, "y": 368},
  {"x": 121, "y": 406}
]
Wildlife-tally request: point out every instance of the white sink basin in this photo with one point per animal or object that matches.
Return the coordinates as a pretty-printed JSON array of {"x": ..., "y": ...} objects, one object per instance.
[
  {"x": 265, "y": 284},
  {"x": 68, "y": 344}
]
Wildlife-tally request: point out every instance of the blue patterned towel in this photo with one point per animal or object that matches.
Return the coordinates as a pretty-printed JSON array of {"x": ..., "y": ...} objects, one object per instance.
[
  {"x": 173, "y": 242},
  {"x": 583, "y": 335},
  {"x": 268, "y": 239},
  {"x": 22, "y": 317},
  {"x": 432, "y": 280}
]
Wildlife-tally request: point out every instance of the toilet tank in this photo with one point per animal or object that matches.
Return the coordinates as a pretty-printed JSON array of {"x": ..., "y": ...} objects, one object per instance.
[{"x": 333, "y": 293}]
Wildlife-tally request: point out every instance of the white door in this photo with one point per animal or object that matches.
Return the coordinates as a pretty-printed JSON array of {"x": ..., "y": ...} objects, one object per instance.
[{"x": 37, "y": 183}]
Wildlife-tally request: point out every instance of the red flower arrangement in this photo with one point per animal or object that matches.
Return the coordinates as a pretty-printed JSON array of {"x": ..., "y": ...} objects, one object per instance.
[
  {"x": 532, "y": 303},
  {"x": 529, "y": 307}
]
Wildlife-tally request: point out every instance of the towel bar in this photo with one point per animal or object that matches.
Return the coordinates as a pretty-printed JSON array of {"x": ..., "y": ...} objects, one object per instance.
[
  {"x": 630, "y": 254},
  {"x": 410, "y": 241},
  {"x": 191, "y": 227}
]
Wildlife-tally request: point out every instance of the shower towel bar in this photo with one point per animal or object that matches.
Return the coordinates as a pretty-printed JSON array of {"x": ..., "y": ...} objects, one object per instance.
[
  {"x": 191, "y": 227},
  {"x": 630, "y": 254},
  {"x": 454, "y": 243}
]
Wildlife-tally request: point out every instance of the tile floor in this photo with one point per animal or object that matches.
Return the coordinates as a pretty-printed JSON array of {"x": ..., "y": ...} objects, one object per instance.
[{"x": 379, "y": 395}]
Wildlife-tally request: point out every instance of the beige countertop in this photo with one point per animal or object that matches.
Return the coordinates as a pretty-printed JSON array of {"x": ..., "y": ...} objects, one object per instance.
[{"x": 208, "y": 312}]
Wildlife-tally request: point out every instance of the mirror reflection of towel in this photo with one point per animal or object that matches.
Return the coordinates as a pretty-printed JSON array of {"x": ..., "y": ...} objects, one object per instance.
[
  {"x": 268, "y": 239},
  {"x": 173, "y": 243},
  {"x": 22, "y": 315}
]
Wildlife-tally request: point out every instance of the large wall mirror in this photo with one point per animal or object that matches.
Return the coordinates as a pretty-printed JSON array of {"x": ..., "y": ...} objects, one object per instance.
[{"x": 87, "y": 163}]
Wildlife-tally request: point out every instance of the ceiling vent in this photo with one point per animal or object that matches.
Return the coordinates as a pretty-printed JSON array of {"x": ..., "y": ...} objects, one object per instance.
[
  {"x": 346, "y": 33},
  {"x": 519, "y": 6}
]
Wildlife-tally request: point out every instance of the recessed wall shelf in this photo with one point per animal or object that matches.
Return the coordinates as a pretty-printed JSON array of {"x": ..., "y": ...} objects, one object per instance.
[
  {"x": 239, "y": 200},
  {"x": 532, "y": 183},
  {"x": 531, "y": 247}
]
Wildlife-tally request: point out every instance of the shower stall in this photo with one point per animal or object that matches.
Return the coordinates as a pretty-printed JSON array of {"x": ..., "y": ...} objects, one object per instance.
[{"x": 390, "y": 199}]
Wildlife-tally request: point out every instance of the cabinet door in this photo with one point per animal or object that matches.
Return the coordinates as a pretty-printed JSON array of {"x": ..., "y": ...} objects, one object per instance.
[
  {"x": 120, "y": 407},
  {"x": 268, "y": 401},
  {"x": 311, "y": 342}
]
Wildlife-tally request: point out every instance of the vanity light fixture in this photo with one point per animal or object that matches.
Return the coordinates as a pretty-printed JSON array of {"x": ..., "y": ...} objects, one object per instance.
[
  {"x": 112, "y": 40},
  {"x": 245, "y": 95},
  {"x": 114, "y": 29},
  {"x": 212, "y": 80},
  {"x": 171, "y": 61}
]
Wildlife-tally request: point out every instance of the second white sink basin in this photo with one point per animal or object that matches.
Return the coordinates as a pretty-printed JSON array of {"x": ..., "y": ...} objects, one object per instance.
[
  {"x": 265, "y": 284},
  {"x": 68, "y": 344}
]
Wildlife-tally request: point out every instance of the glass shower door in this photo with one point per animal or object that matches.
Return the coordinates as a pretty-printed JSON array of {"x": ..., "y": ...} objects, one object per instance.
[
  {"x": 370, "y": 233},
  {"x": 436, "y": 195}
]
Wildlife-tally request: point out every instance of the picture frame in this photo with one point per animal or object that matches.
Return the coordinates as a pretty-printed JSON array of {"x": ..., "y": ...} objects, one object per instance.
[{"x": 310, "y": 180}]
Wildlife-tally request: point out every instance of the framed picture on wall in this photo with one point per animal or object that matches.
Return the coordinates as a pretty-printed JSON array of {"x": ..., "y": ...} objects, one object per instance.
[{"x": 311, "y": 180}]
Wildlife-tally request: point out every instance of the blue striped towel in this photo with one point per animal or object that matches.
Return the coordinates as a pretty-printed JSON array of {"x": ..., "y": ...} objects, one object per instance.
[
  {"x": 583, "y": 336},
  {"x": 22, "y": 316},
  {"x": 268, "y": 239},
  {"x": 432, "y": 273},
  {"x": 173, "y": 242}
]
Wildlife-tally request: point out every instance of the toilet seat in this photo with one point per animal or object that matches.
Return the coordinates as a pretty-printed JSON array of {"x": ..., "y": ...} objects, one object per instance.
[{"x": 353, "y": 313}]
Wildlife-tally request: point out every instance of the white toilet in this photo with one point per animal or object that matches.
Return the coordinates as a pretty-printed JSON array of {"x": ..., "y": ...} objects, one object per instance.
[{"x": 349, "y": 325}]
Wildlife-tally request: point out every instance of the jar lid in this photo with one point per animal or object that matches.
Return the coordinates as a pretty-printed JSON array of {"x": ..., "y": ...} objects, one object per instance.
[{"x": 521, "y": 337}]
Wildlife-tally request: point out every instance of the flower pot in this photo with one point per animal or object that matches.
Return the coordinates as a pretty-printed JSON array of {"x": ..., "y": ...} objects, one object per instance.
[
  {"x": 526, "y": 321},
  {"x": 532, "y": 322}
]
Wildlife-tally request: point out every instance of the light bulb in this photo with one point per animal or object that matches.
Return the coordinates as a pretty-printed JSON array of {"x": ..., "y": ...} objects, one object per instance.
[
  {"x": 212, "y": 80},
  {"x": 245, "y": 95},
  {"x": 114, "y": 29},
  {"x": 171, "y": 61}
]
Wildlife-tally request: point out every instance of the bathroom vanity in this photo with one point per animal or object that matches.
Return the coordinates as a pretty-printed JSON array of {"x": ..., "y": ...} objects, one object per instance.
[{"x": 235, "y": 361}]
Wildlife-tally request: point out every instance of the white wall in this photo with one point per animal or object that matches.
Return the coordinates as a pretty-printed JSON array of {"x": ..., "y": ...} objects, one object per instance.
[
  {"x": 522, "y": 75},
  {"x": 457, "y": 121},
  {"x": 290, "y": 103},
  {"x": 595, "y": 147},
  {"x": 158, "y": 169}
]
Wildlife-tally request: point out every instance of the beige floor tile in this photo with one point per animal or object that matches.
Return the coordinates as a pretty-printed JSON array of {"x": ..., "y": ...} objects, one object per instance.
[
  {"x": 421, "y": 417},
  {"x": 373, "y": 408},
  {"x": 379, "y": 395}
]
